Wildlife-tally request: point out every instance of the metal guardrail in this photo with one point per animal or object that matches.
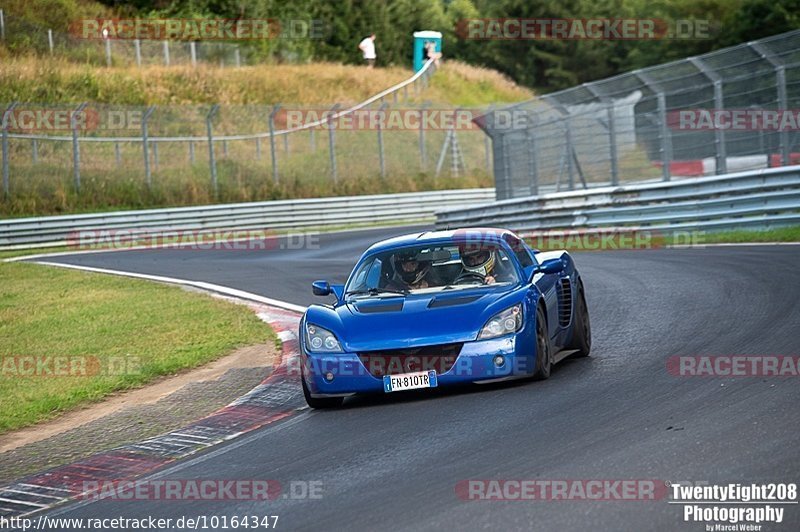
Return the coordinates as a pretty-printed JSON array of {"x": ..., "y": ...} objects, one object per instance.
[
  {"x": 52, "y": 231},
  {"x": 753, "y": 200}
]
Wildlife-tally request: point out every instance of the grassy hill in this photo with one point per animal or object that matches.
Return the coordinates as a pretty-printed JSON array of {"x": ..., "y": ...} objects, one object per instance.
[{"x": 45, "y": 80}]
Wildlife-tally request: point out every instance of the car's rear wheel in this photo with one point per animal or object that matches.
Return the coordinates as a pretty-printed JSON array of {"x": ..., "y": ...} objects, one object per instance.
[
  {"x": 320, "y": 402},
  {"x": 544, "y": 352},
  {"x": 581, "y": 329}
]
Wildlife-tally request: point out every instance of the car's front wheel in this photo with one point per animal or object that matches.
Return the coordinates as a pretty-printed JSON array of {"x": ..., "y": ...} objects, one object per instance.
[{"x": 320, "y": 402}]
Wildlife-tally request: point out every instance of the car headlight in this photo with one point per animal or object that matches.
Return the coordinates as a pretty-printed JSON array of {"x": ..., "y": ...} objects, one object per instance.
[
  {"x": 505, "y": 322},
  {"x": 319, "y": 340}
]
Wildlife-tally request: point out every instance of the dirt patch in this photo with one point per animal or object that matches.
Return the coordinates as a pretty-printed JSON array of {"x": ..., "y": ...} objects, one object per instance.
[{"x": 257, "y": 357}]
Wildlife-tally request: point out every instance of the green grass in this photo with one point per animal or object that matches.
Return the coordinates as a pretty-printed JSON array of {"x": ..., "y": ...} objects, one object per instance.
[
  {"x": 782, "y": 234},
  {"x": 155, "y": 329}
]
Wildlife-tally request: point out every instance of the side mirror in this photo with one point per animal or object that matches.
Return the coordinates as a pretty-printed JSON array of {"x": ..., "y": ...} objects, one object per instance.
[
  {"x": 321, "y": 288},
  {"x": 551, "y": 266}
]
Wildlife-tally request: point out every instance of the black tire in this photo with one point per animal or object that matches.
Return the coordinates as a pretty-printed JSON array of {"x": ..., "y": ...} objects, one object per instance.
[
  {"x": 544, "y": 351},
  {"x": 320, "y": 402},
  {"x": 582, "y": 329}
]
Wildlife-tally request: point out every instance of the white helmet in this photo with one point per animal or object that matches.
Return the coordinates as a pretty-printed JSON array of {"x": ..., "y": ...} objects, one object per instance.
[{"x": 477, "y": 260}]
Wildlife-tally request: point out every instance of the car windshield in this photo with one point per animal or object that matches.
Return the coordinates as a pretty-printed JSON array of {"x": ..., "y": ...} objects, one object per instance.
[{"x": 432, "y": 268}]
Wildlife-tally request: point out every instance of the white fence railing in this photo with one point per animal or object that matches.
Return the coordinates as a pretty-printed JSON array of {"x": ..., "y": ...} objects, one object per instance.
[
  {"x": 52, "y": 231},
  {"x": 749, "y": 200}
]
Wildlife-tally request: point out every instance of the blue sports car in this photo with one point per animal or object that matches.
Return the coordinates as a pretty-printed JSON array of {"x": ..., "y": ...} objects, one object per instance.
[{"x": 441, "y": 308}]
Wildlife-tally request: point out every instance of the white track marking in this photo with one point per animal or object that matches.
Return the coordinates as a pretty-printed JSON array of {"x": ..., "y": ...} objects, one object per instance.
[{"x": 233, "y": 292}]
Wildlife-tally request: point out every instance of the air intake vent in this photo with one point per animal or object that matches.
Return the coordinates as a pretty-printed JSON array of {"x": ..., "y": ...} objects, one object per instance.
[
  {"x": 452, "y": 301},
  {"x": 564, "y": 302},
  {"x": 373, "y": 308}
]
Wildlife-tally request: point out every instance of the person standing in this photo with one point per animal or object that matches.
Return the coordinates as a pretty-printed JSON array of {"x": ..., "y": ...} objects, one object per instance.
[{"x": 367, "y": 47}]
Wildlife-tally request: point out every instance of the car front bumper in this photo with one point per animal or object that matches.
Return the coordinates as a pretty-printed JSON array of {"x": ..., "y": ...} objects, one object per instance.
[{"x": 343, "y": 374}]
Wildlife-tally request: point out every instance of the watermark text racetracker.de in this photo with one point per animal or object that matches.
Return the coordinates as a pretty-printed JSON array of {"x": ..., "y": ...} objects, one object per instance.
[
  {"x": 753, "y": 119},
  {"x": 561, "y": 490},
  {"x": 49, "y": 366},
  {"x": 568, "y": 29},
  {"x": 211, "y": 489},
  {"x": 198, "y": 240},
  {"x": 196, "y": 29},
  {"x": 184, "y": 522},
  {"x": 29, "y": 119},
  {"x": 734, "y": 366}
]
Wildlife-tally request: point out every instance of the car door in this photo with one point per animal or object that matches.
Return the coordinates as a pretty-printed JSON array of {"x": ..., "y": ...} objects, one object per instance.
[{"x": 546, "y": 283}]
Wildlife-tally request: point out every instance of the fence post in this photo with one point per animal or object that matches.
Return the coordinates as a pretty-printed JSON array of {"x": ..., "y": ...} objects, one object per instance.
[
  {"x": 380, "y": 140},
  {"x": 445, "y": 145},
  {"x": 193, "y": 52},
  {"x": 568, "y": 148},
  {"x": 332, "y": 143},
  {"x": 145, "y": 146},
  {"x": 312, "y": 140},
  {"x": 258, "y": 148},
  {"x": 612, "y": 142},
  {"x": 569, "y": 151},
  {"x": 719, "y": 133},
  {"x": 533, "y": 163},
  {"x": 76, "y": 151},
  {"x": 780, "y": 74},
  {"x": 5, "y": 148},
  {"x": 166, "y": 52},
  {"x": 137, "y": 47},
  {"x": 117, "y": 154},
  {"x": 50, "y": 40},
  {"x": 108, "y": 52},
  {"x": 275, "y": 109},
  {"x": 666, "y": 137},
  {"x": 487, "y": 150},
  {"x": 211, "y": 161},
  {"x": 422, "y": 154},
  {"x": 191, "y": 152},
  {"x": 2, "y": 25},
  {"x": 34, "y": 151},
  {"x": 780, "y": 82},
  {"x": 237, "y": 57}
]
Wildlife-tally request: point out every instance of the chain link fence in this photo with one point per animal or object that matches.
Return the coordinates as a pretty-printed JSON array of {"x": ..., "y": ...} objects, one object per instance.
[
  {"x": 193, "y": 154},
  {"x": 731, "y": 110}
]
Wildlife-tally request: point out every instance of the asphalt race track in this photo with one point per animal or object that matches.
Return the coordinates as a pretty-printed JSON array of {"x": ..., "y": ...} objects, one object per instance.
[{"x": 394, "y": 462}]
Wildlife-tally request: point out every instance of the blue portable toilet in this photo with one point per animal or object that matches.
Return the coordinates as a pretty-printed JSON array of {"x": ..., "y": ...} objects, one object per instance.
[{"x": 420, "y": 38}]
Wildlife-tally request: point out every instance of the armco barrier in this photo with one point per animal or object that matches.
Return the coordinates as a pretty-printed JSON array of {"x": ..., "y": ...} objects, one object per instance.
[
  {"x": 753, "y": 200},
  {"x": 51, "y": 231}
]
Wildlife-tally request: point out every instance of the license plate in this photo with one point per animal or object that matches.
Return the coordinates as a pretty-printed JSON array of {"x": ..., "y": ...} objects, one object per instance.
[{"x": 410, "y": 381}]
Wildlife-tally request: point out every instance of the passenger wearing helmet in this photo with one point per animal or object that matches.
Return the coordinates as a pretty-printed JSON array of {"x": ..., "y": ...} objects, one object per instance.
[
  {"x": 483, "y": 262},
  {"x": 409, "y": 271}
]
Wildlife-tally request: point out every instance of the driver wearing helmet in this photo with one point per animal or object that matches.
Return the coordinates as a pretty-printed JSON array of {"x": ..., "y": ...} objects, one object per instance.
[
  {"x": 482, "y": 262},
  {"x": 409, "y": 271}
]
